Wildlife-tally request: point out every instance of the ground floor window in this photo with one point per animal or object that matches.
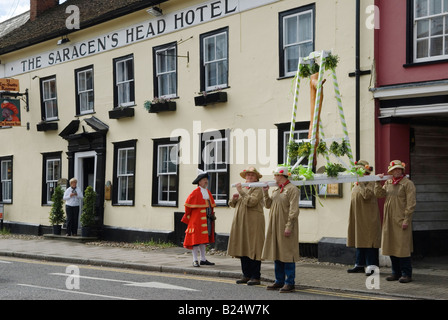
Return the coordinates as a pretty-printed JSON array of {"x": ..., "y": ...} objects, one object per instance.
[
  {"x": 165, "y": 179},
  {"x": 6, "y": 179},
  {"x": 307, "y": 199},
  {"x": 215, "y": 161},
  {"x": 51, "y": 175},
  {"x": 124, "y": 172}
]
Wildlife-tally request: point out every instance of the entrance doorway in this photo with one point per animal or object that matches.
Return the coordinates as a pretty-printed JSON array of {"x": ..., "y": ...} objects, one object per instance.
[{"x": 85, "y": 172}]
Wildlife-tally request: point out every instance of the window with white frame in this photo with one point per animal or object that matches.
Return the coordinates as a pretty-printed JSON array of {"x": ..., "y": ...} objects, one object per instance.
[
  {"x": 125, "y": 175},
  {"x": 214, "y": 57},
  {"x": 307, "y": 199},
  {"x": 84, "y": 90},
  {"x": 6, "y": 179},
  {"x": 215, "y": 157},
  {"x": 167, "y": 174},
  {"x": 430, "y": 30},
  {"x": 49, "y": 99},
  {"x": 124, "y": 81},
  {"x": 166, "y": 71},
  {"x": 53, "y": 174},
  {"x": 296, "y": 38}
]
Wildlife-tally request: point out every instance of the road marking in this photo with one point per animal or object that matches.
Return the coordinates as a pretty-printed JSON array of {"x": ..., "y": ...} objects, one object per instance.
[
  {"x": 5, "y": 261},
  {"x": 73, "y": 291},
  {"x": 157, "y": 285}
]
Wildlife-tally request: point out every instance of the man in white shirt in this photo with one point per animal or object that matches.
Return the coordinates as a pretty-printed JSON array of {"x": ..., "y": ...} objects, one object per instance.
[{"x": 73, "y": 199}]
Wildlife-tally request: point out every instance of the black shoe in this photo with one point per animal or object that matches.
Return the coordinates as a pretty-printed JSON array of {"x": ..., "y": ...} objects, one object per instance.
[
  {"x": 196, "y": 264},
  {"x": 208, "y": 263},
  {"x": 356, "y": 270}
]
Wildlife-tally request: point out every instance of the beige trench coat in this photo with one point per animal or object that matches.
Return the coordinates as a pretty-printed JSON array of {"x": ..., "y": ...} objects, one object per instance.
[
  {"x": 364, "y": 225},
  {"x": 248, "y": 226},
  {"x": 283, "y": 214},
  {"x": 398, "y": 208}
]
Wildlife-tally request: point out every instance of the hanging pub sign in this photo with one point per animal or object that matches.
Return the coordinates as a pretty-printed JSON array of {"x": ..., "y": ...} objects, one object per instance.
[
  {"x": 9, "y": 84},
  {"x": 10, "y": 113}
]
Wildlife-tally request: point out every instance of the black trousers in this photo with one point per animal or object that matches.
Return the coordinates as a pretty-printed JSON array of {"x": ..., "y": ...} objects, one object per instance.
[
  {"x": 251, "y": 268},
  {"x": 72, "y": 219}
]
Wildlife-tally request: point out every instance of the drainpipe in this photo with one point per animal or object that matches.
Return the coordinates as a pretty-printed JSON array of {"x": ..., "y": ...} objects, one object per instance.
[
  {"x": 358, "y": 78},
  {"x": 357, "y": 74}
]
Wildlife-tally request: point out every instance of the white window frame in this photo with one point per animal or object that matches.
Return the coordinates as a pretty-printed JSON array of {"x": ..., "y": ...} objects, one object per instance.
[
  {"x": 172, "y": 151},
  {"x": 123, "y": 177},
  {"x": 224, "y": 60},
  {"x": 212, "y": 166},
  {"x": 298, "y": 43},
  {"x": 6, "y": 181},
  {"x": 52, "y": 177},
  {"x": 166, "y": 54},
  {"x": 85, "y": 106},
  {"x": 298, "y": 135},
  {"x": 443, "y": 35},
  {"x": 124, "y": 86},
  {"x": 50, "y": 99}
]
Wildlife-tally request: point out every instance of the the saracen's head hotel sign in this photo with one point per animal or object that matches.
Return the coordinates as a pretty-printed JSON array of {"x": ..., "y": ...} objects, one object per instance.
[{"x": 165, "y": 24}]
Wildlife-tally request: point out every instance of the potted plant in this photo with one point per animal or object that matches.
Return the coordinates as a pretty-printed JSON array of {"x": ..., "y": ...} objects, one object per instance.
[
  {"x": 206, "y": 98},
  {"x": 57, "y": 212},
  {"x": 159, "y": 105},
  {"x": 88, "y": 212}
]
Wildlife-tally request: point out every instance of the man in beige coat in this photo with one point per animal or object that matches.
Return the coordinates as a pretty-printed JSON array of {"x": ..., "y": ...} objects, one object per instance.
[
  {"x": 364, "y": 225},
  {"x": 397, "y": 222},
  {"x": 248, "y": 228},
  {"x": 282, "y": 238}
]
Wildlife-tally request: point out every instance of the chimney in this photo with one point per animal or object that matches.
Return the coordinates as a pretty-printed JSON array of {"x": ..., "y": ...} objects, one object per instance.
[{"x": 37, "y": 7}]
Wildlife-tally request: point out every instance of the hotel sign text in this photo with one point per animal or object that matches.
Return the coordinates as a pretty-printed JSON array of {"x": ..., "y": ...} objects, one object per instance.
[{"x": 171, "y": 22}]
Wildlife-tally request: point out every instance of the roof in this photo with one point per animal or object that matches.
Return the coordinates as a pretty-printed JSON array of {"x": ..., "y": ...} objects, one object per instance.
[
  {"x": 51, "y": 23},
  {"x": 13, "y": 23}
]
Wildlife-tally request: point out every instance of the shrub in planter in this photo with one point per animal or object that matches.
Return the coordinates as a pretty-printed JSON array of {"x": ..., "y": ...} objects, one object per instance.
[
  {"x": 88, "y": 211},
  {"x": 57, "y": 210}
]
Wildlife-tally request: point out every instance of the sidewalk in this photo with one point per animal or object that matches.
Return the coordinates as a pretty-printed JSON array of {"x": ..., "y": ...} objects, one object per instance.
[{"x": 429, "y": 282}]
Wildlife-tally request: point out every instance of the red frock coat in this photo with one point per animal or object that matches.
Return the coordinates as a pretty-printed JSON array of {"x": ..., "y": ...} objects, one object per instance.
[{"x": 196, "y": 219}]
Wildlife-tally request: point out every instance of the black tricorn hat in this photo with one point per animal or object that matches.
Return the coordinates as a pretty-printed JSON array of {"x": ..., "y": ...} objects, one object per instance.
[{"x": 201, "y": 175}]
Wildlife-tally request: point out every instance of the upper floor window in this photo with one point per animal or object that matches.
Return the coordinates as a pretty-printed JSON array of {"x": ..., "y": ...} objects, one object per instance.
[
  {"x": 430, "y": 36},
  {"x": 165, "y": 82},
  {"x": 6, "y": 179},
  {"x": 214, "y": 60},
  {"x": 49, "y": 100},
  {"x": 296, "y": 34},
  {"x": 84, "y": 90},
  {"x": 124, "y": 81}
]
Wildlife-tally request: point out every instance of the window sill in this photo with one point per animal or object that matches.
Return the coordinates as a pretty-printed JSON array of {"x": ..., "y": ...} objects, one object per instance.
[{"x": 424, "y": 63}]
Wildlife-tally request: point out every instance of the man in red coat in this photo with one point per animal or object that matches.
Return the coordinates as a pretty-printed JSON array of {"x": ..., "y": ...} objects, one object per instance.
[{"x": 199, "y": 217}]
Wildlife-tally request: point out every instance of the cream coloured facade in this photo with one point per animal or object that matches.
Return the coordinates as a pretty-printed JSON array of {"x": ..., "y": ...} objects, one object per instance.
[{"x": 249, "y": 39}]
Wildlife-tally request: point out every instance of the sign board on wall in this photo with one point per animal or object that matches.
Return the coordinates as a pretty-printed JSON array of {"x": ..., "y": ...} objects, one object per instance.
[
  {"x": 9, "y": 84},
  {"x": 170, "y": 22},
  {"x": 10, "y": 113}
]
